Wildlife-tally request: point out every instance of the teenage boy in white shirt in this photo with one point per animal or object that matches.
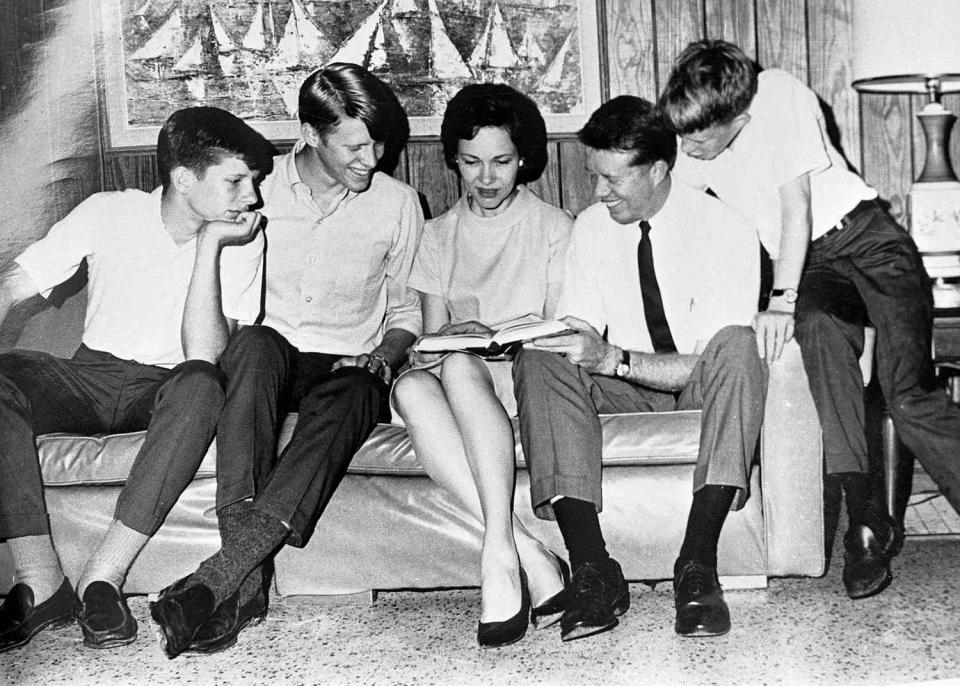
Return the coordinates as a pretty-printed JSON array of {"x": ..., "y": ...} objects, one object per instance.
[
  {"x": 758, "y": 140},
  {"x": 171, "y": 273}
]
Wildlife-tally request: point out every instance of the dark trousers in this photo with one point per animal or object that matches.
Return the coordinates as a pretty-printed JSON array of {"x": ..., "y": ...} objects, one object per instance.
[
  {"x": 874, "y": 263},
  {"x": 95, "y": 392},
  {"x": 559, "y": 402},
  {"x": 267, "y": 377}
]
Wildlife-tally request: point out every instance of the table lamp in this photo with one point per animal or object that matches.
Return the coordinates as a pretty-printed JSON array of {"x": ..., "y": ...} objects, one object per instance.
[{"x": 913, "y": 46}]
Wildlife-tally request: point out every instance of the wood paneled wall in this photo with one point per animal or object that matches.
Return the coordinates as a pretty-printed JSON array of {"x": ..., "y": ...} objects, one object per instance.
[{"x": 810, "y": 38}]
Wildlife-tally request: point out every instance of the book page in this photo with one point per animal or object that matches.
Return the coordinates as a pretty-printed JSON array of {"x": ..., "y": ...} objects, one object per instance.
[
  {"x": 529, "y": 331},
  {"x": 465, "y": 341}
]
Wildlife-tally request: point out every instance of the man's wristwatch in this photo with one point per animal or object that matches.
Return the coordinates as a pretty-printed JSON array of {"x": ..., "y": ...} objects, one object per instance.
[
  {"x": 623, "y": 366},
  {"x": 789, "y": 295},
  {"x": 378, "y": 365}
]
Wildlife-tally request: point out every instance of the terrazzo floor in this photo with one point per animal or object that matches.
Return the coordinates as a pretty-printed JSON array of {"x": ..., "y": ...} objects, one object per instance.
[{"x": 796, "y": 631}]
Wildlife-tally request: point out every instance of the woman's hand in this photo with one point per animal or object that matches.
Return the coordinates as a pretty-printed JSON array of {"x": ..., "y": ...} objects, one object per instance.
[
  {"x": 418, "y": 359},
  {"x": 471, "y": 326}
]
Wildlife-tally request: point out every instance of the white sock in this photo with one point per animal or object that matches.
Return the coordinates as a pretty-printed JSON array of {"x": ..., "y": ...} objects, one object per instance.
[
  {"x": 114, "y": 557},
  {"x": 36, "y": 564}
]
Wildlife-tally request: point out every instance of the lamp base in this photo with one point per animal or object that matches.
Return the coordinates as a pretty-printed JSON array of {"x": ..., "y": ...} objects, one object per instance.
[
  {"x": 936, "y": 122},
  {"x": 935, "y": 226}
]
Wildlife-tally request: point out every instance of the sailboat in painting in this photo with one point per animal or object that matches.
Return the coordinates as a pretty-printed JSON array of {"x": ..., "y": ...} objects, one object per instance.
[
  {"x": 164, "y": 46},
  {"x": 368, "y": 44},
  {"x": 226, "y": 48},
  {"x": 445, "y": 59},
  {"x": 301, "y": 48},
  {"x": 252, "y": 55},
  {"x": 494, "y": 52},
  {"x": 560, "y": 69},
  {"x": 399, "y": 38},
  {"x": 530, "y": 50}
]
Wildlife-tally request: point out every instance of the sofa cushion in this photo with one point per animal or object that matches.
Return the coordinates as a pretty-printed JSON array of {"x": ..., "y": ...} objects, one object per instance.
[
  {"x": 628, "y": 439},
  {"x": 72, "y": 460}
]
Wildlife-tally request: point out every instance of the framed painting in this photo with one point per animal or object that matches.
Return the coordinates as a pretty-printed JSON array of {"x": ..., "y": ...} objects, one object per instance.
[{"x": 250, "y": 56}]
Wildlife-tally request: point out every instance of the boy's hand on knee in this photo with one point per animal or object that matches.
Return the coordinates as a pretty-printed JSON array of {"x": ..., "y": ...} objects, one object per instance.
[{"x": 774, "y": 330}]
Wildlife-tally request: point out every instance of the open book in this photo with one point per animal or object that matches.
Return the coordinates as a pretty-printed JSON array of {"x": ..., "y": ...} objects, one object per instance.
[{"x": 508, "y": 336}]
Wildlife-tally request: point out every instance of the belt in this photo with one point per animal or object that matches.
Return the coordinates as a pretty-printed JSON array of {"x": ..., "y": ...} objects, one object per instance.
[{"x": 845, "y": 220}]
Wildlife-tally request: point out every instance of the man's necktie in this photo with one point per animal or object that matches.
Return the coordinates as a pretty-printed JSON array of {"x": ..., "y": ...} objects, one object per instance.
[{"x": 652, "y": 302}]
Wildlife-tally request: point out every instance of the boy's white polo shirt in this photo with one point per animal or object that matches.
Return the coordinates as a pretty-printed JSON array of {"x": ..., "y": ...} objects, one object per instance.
[
  {"x": 785, "y": 138},
  {"x": 138, "y": 276}
]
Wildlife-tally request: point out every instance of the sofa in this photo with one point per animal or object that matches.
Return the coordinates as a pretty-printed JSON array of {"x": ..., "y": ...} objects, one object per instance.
[{"x": 389, "y": 526}]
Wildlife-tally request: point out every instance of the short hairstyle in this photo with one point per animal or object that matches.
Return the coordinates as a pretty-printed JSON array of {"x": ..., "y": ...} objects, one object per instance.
[
  {"x": 342, "y": 90},
  {"x": 200, "y": 137},
  {"x": 630, "y": 124},
  {"x": 496, "y": 104},
  {"x": 712, "y": 81}
]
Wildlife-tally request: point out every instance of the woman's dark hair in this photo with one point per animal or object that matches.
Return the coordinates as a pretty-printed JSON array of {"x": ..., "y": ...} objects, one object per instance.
[{"x": 496, "y": 104}]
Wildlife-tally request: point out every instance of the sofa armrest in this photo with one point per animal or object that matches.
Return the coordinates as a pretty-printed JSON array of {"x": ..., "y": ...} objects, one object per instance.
[{"x": 792, "y": 472}]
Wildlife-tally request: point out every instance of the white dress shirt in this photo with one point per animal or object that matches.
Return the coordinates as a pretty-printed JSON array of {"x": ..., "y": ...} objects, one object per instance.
[{"x": 707, "y": 262}]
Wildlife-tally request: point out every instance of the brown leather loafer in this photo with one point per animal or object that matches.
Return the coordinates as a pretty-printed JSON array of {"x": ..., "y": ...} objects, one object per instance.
[
  {"x": 180, "y": 613},
  {"x": 21, "y": 620},
  {"x": 228, "y": 620},
  {"x": 105, "y": 618}
]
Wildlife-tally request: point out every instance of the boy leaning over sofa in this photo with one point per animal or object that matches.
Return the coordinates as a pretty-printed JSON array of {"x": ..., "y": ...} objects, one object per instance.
[
  {"x": 171, "y": 273},
  {"x": 759, "y": 141}
]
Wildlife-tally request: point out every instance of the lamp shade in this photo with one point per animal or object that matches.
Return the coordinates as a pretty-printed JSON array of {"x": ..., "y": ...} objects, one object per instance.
[{"x": 899, "y": 44}]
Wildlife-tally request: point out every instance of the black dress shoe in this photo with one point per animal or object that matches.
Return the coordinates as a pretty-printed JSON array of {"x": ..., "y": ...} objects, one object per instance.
[
  {"x": 104, "y": 617},
  {"x": 228, "y": 620},
  {"x": 596, "y": 595},
  {"x": 497, "y": 634},
  {"x": 701, "y": 609},
  {"x": 550, "y": 610},
  {"x": 21, "y": 620},
  {"x": 866, "y": 557},
  {"x": 179, "y": 613}
]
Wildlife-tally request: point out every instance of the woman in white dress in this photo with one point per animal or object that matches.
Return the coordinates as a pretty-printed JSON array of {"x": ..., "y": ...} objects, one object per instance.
[{"x": 495, "y": 256}]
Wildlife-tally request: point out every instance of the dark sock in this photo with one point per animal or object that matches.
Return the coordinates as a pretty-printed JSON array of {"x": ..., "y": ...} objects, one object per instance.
[
  {"x": 256, "y": 536},
  {"x": 580, "y": 528},
  {"x": 707, "y": 515},
  {"x": 862, "y": 500},
  {"x": 231, "y": 520},
  {"x": 251, "y": 585}
]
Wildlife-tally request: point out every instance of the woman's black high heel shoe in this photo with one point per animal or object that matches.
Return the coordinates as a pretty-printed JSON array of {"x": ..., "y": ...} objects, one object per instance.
[
  {"x": 496, "y": 634},
  {"x": 551, "y": 610}
]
